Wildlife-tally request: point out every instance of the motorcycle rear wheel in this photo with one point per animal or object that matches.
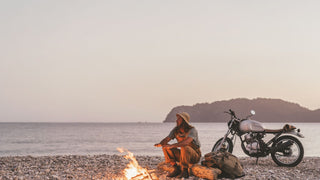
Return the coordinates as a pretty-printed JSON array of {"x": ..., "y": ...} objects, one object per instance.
[
  {"x": 228, "y": 143},
  {"x": 289, "y": 156}
]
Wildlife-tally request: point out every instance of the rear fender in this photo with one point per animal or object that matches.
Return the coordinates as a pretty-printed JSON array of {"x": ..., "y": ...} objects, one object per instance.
[{"x": 296, "y": 133}]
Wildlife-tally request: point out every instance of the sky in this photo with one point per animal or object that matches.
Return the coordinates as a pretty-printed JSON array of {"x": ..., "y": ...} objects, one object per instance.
[{"x": 133, "y": 61}]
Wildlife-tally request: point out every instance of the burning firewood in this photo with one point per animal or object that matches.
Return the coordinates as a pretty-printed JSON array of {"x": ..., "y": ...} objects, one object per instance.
[
  {"x": 134, "y": 171},
  {"x": 141, "y": 176}
]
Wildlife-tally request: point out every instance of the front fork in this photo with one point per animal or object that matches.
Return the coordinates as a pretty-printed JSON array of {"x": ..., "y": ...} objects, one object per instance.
[{"x": 222, "y": 144}]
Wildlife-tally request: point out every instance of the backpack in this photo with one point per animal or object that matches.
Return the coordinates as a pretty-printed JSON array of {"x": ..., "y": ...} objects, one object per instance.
[{"x": 226, "y": 162}]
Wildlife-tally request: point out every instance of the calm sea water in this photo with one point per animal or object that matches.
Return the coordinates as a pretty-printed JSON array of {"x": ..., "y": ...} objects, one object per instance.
[{"x": 104, "y": 138}]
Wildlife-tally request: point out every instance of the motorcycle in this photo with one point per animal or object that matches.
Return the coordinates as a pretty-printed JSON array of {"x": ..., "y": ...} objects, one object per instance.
[{"x": 285, "y": 150}]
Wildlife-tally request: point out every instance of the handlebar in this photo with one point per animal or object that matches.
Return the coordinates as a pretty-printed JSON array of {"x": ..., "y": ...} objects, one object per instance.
[{"x": 232, "y": 113}]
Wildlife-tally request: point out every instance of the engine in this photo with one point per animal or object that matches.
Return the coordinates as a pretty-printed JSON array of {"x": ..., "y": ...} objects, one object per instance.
[{"x": 253, "y": 142}]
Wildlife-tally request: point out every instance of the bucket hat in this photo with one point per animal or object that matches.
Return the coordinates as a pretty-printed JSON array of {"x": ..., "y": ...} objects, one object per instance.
[{"x": 185, "y": 116}]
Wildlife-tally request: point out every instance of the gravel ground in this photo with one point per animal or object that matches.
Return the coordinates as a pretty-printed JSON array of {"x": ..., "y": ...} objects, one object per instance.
[{"x": 110, "y": 167}]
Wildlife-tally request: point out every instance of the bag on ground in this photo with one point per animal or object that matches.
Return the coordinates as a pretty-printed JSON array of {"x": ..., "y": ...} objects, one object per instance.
[{"x": 226, "y": 162}]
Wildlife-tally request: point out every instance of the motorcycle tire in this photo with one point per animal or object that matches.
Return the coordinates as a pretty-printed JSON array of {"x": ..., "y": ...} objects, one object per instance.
[
  {"x": 282, "y": 157},
  {"x": 228, "y": 143}
]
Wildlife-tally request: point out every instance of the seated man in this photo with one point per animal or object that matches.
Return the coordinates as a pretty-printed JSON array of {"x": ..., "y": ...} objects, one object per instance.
[{"x": 188, "y": 142}]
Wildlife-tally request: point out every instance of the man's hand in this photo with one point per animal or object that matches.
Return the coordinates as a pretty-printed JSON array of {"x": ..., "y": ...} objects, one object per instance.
[
  {"x": 158, "y": 145},
  {"x": 163, "y": 142},
  {"x": 169, "y": 146}
]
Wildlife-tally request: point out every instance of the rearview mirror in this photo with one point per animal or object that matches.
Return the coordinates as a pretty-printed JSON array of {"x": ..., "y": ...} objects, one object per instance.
[{"x": 252, "y": 112}]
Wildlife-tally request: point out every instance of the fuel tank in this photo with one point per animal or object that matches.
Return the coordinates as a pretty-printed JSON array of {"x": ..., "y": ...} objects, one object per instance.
[{"x": 251, "y": 126}]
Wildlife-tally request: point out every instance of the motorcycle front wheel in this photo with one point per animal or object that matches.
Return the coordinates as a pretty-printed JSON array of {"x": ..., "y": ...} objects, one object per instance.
[
  {"x": 289, "y": 156},
  {"x": 228, "y": 145}
]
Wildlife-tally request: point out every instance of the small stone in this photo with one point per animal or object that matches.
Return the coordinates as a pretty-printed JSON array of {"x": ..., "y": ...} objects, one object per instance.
[
  {"x": 270, "y": 171},
  {"x": 54, "y": 177},
  {"x": 69, "y": 176}
]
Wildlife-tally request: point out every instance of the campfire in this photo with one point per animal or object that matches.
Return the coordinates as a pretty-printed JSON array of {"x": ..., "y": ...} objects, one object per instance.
[{"x": 134, "y": 171}]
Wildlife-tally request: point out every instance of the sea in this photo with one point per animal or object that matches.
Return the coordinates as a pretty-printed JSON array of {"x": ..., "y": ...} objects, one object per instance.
[{"x": 48, "y": 139}]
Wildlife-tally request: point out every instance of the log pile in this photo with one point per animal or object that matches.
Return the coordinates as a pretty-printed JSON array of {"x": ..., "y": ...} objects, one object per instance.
[{"x": 196, "y": 170}]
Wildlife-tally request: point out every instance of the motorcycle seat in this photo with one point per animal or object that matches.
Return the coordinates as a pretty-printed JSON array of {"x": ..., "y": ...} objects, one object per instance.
[
  {"x": 273, "y": 130},
  {"x": 286, "y": 128}
]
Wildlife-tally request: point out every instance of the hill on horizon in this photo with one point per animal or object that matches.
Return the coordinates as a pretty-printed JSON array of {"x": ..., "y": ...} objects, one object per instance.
[{"x": 267, "y": 110}]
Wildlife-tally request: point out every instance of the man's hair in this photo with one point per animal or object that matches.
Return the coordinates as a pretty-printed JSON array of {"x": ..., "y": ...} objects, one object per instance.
[{"x": 185, "y": 126}]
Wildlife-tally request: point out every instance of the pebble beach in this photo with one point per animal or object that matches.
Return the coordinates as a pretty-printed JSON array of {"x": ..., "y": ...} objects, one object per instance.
[{"x": 109, "y": 167}]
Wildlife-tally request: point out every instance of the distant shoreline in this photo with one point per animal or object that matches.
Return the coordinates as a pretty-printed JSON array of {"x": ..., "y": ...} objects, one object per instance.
[{"x": 267, "y": 110}]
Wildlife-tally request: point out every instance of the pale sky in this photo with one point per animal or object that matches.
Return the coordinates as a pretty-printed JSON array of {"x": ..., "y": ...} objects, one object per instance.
[{"x": 130, "y": 61}]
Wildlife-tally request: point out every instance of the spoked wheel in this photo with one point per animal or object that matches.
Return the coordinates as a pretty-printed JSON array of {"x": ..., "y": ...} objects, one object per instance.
[
  {"x": 289, "y": 153},
  {"x": 227, "y": 144}
]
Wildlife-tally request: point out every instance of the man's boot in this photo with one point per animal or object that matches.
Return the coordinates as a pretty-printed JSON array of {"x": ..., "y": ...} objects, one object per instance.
[
  {"x": 175, "y": 172},
  {"x": 184, "y": 173}
]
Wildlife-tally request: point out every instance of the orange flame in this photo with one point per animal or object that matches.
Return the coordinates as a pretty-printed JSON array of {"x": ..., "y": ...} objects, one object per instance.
[{"x": 133, "y": 170}]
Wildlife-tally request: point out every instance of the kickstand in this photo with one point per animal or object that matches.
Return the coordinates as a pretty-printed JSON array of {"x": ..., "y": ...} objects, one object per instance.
[{"x": 257, "y": 160}]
